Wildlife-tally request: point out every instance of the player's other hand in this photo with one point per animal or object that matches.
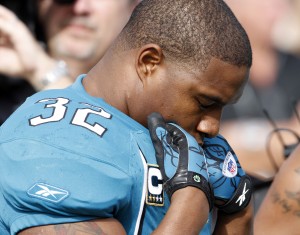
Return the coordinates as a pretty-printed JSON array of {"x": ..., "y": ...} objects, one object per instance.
[
  {"x": 231, "y": 186},
  {"x": 179, "y": 156}
]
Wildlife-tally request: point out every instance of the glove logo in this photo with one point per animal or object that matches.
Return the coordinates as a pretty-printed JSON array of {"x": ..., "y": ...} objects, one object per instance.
[
  {"x": 155, "y": 194},
  {"x": 229, "y": 166},
  {"x": 197, "y": 178}
]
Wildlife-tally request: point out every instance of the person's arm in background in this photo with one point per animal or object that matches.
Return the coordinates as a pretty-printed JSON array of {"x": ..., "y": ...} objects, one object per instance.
[
  {"x": 21, "y": 55},
  {"x": 280, "y": 211}
]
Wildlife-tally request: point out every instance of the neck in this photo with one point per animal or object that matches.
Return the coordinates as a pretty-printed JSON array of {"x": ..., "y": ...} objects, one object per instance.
[{"x": 105, "y": 80}]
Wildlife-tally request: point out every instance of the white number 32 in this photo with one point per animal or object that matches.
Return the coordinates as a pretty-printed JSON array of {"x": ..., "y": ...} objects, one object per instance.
[{"x": 59, "y": 108}]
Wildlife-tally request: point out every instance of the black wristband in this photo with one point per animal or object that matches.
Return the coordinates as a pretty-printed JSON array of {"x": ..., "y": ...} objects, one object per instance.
[
  {"x": 241, "y": 197},
  {"x": 190, "y": 179}
]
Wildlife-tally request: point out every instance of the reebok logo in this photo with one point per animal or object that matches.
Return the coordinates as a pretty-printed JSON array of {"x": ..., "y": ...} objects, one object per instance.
[
  {"x": 242, "y": 198},
  {"x": 47, "y": 192}
]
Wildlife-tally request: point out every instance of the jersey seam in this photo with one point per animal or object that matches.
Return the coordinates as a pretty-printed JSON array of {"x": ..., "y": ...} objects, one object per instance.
[{"x": 70, "y": 151}]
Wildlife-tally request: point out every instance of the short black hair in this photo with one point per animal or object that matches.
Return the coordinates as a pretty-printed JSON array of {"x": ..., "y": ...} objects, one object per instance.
[{"x": 189, "y": 31}]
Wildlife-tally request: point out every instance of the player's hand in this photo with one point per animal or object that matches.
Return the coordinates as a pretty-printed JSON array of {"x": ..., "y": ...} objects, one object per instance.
[
  {"x": 231, "y": 186},
  {"x": 179, "y": 156}
]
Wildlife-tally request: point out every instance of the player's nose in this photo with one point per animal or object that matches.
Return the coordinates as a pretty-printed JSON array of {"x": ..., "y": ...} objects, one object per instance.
[{"x": 209, "y": 125}]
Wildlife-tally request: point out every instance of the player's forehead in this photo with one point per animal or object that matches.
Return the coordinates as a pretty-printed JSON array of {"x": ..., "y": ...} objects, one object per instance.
[{"x": 222, "y": 81}]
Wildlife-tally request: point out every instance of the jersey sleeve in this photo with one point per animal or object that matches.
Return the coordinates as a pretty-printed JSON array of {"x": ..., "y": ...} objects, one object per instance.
[{"x": 41, "y": 178}]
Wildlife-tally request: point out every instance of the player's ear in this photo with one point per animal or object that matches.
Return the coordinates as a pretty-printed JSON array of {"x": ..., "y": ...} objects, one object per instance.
[{"x": 149, "y": 58}]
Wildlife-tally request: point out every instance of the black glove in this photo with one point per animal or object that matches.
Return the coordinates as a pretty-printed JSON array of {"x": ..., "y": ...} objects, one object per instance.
[
  {"x": 179, "y": 156},
  {"x": 229, "y": 182}
]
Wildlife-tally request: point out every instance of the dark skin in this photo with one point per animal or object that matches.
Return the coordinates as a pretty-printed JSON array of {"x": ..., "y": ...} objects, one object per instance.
[
  {"x": 238, "y": 223},
  {"x": 94, "y": 227},
  {"x": 281, "y": 206},
  {"x": 142, "y": 81},
  {"x": 193, "y": 99}
]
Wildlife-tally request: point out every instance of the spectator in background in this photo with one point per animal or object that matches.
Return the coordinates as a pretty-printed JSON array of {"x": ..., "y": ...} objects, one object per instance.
[
  {"x": 289, "y": 26},
  {"x": 76, "y": 34},
  {"x": 274, "y": 83}
]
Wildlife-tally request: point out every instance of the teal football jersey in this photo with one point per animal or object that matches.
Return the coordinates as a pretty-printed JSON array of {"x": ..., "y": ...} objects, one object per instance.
[{"x": 66, "y": 156}]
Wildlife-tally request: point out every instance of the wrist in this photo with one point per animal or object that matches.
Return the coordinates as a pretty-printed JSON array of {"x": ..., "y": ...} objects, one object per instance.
[
  {"x": 190, "y": 197},
  {"x": 53, "y": 73},
  {"x": 187, "y": 213},
  {"x": 195, "y": 180},
  {"x": 59, "y": 71}
]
